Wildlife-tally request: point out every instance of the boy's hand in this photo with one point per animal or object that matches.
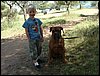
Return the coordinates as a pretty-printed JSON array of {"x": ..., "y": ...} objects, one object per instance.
[{"x": 42, "y": 39}]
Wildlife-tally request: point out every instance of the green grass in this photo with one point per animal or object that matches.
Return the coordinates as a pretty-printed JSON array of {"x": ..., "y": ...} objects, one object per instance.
[
  {"x": 83, "y": 52},
  {"x": 59, "y": 20},
  {"x": 14, "y": 29}
]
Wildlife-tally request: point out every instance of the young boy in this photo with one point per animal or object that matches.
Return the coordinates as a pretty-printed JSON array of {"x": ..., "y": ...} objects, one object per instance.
[{"x": 34, "y": 33}]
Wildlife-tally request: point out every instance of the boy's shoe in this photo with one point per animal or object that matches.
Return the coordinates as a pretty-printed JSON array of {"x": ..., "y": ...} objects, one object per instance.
[{"x": 37, "y": 65}]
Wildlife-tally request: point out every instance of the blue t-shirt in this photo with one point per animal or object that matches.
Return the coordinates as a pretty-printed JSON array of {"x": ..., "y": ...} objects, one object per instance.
[{"x": 31, "y": 25}]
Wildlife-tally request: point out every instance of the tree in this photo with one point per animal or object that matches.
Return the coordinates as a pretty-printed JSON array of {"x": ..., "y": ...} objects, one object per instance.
[
  {"x": 10, "y": 4},
  {"x": 67, "y": 3},
  {"x": 76, "y": 3},
  {"x": 4, "y": 10},
  {"x": 22, "y": 5},
  {"x": 43, "y": 5},
  {"x": 98, "y": 8},
  {"x": 95, "y": 4},
  {"x": 58, "y": 4},
  {"x": 10, "y": 12}
]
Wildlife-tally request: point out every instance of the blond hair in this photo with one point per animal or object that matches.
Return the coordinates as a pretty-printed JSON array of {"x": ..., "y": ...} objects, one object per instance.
[{"x": 30, "y": 7}]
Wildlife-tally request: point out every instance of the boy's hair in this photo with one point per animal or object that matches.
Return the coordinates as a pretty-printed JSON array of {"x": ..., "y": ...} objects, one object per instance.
[{"x": 30, "y": 6}]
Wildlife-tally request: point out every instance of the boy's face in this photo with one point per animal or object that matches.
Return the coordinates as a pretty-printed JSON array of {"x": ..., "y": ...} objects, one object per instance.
[{"x": 32, "y": 13}]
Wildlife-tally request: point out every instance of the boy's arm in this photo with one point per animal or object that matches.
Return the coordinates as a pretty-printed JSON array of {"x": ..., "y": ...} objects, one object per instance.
[
  {"x": 41, "y": 31},
  {"x": 27, "y": 34}
]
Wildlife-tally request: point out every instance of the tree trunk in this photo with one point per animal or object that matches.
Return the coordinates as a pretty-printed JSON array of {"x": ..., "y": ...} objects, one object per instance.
[
  {"x": 24, "y": 14},
  {"x": 98, "y": 9},
  {"x": 80, "y": 6},
  {"x": 67, "y": 3},
  {"x": 68, "y": 10},
  {"x": 22, "y": 10}
]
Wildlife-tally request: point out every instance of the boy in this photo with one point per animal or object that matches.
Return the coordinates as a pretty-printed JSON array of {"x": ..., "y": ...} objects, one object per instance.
[{"x": 34, "y": 33}]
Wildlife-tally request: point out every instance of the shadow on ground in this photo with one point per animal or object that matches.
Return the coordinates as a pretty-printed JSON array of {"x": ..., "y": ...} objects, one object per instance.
[{"x": 15, "y": 59}]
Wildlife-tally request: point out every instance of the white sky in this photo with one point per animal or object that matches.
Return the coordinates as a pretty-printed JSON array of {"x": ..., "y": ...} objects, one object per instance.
[
  {"x": 51, "y": 1},
  {"x": 17, "y": 7}
]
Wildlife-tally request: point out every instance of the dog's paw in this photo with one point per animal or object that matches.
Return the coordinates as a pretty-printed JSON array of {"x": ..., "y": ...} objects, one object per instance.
[
  {"x": 65, "y": 61},
  {"x": 46, "y": 65}
]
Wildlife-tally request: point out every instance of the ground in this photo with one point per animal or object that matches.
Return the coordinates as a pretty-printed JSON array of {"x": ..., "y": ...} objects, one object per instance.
[{"x": 15, "y": 59}]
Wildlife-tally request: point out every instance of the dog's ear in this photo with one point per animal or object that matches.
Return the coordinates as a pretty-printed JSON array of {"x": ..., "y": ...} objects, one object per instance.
[
  {"x": 61, "y": 28},
  {"x": 50, "y": 29}
]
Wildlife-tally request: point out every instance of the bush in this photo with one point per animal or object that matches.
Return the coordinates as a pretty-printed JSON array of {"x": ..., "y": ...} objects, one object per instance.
[
  {"x": 8, "y": 22},
  {"x": 60, "y": 21}
]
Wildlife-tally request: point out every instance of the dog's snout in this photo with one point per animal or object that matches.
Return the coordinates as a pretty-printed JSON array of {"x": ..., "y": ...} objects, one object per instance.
[
  {"x": 55, "y": 32},
  {"x": 57, "y": 36}
]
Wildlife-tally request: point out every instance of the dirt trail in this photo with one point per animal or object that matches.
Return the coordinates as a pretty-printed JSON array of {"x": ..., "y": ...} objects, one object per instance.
[{"x": 15, "y": 58}]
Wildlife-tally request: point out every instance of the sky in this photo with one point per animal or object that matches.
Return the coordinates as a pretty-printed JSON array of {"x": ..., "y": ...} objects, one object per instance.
[{"x": 51, "y": 1}]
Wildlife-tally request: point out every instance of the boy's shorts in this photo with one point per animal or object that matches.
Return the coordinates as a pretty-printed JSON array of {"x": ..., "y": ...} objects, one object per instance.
[{"x": 35, "y": 48}]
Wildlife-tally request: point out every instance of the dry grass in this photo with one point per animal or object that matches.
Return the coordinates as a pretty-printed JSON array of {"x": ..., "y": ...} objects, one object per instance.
[{"x": 86, "y": 11}]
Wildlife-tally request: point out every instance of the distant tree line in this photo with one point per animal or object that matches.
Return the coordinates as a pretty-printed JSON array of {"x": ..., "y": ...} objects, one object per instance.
[{"x": 8, "y": 11}]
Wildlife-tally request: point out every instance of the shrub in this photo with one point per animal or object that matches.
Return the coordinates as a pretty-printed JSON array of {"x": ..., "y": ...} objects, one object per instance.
[{"x": 60, "y": 21}]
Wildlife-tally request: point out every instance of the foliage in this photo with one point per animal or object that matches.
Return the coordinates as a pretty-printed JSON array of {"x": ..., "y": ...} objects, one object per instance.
[
  {"x": 4, "y": 10},
  {"x": 9, "y": 23},
  {"x": 60, "y": 21},
  {"x": 45, "y": 5},
  {"x": 94, "y": 3}
]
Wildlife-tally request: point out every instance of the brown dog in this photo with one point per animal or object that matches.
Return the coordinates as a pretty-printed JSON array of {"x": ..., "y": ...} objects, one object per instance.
[{"x": 56, "y": 45}]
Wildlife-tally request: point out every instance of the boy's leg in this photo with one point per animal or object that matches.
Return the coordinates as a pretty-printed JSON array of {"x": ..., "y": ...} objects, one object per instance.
[
  {"x": 33, "y": 53},
  {"x": 39, "y": 50},
  {"x": 33, "y": 50},
  {"x": 39, "y": 47}
]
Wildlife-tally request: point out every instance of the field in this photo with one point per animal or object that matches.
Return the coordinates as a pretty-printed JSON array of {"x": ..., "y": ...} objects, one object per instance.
[{"x": 82, "y": 53}]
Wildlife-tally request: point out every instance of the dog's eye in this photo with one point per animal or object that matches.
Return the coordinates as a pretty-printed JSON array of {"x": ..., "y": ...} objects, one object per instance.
[{"x": 58, "y": 30}]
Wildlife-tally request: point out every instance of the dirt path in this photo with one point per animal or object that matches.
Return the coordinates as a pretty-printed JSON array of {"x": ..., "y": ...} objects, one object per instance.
[{"x": 15, "y": 58}]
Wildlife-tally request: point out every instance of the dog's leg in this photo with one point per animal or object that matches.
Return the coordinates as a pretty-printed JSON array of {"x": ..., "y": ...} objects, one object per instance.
[
  {"x": 64, "y": 58},
  {"x": 50, "y": 59}
]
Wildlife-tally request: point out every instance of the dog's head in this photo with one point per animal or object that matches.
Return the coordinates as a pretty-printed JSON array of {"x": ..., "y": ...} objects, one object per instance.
[{"x": 56, "y": 32}]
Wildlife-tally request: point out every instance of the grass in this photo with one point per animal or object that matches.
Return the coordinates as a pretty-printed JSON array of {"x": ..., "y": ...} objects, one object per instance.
[
  {"x": 83, "y": 52},
  {"x": 16, "y": 26}
]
